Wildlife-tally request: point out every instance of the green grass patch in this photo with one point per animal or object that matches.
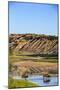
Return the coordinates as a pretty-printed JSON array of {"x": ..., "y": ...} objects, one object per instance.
[{"x": 20, "y": 83}]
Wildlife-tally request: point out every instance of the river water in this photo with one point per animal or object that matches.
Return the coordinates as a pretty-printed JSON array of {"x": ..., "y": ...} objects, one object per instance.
[{"x": 38, "y": 79}]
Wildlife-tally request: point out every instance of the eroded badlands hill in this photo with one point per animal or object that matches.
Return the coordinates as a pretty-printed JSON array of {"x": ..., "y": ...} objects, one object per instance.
[{"x": 39, "y": 44}]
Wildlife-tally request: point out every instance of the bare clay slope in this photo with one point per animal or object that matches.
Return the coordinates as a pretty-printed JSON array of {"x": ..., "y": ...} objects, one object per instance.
[{"x": 39, "y": 44}]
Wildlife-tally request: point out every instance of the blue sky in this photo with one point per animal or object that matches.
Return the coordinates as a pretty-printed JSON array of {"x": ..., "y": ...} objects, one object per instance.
[{"x": 33, "y": 18}]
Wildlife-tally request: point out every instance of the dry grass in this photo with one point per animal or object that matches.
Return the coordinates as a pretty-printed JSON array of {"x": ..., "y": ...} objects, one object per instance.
[{"x": 37, "y": 67}]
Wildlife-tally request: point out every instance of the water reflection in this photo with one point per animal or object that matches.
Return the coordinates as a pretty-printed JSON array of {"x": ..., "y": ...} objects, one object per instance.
[
  {"x": 41, "y": 80},
  {"x": 46, "y": 78}
]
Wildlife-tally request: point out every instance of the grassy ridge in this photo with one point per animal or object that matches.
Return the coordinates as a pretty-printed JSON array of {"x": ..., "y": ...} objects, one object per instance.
[{"x": 35, "y": 59}]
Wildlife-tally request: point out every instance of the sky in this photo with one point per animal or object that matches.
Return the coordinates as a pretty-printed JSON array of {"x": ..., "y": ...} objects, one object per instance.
[{"x": 33, "y": 18}]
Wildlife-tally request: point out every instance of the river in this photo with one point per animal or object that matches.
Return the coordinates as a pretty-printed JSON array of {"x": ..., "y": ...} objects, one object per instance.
[{"x": 38, "y": 79}]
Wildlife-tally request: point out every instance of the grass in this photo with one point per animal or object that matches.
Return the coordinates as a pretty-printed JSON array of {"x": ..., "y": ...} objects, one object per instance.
[
  {"x": 14, "y": 58},
  {"x": 20, "y": 83},
  {"x": 25, "y": 56},
  {"x": 42, "y": 62}
]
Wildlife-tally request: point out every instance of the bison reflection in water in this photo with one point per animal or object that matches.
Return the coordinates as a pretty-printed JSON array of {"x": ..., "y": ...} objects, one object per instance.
[{"x": 46, "y": 78}]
